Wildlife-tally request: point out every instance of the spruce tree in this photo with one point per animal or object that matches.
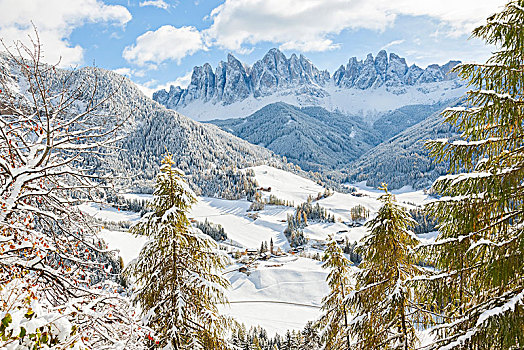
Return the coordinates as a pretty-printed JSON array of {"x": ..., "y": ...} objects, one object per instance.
[
  {"x": 178, "y": 280},
  {"x": 334, "y": 321},
  {"x": 480, "y": 249},
  {"x": 383, "y": 300}
]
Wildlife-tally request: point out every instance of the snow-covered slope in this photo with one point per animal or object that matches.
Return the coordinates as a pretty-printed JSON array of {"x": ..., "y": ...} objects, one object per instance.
[
  {"x": 129, "y": 246},
  {"x": 108, "y": 213},
  {"x": 202, "y": 151},
  {"x": 283, "y": 292},
  {"x": 370, "y": 103},
  {"x": 286, "y": 185},
  {"x": 270, "y": 223},
  {"x": 241, "y": 229}
]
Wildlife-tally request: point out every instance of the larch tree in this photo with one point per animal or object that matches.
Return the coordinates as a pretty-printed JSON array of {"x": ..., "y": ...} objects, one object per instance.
[
  {"x": 335, "y": 319},
  {"x": 384, "y": 303},
  {"x": 479, "y": 253},
  {"x": 56, "y": 275},
  {"x": 179, "y": 283}
]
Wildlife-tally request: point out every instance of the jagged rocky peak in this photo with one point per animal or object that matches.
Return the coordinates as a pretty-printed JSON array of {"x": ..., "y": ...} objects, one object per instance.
[
  {"x": 391, "y": 71},
  {"x": 202, "y": 83},
  {"x": 276, "y": 71},
  {"x": 234, "y": 81},
  {"x": 446, "y": 69}
]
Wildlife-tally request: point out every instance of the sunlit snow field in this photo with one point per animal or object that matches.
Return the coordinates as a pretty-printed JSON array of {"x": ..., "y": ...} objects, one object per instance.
[{"x": 281, "y": 293}]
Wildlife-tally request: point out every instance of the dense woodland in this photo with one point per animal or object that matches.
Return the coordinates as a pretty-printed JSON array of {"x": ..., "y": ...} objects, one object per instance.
[{"x": 61, "y": 287}]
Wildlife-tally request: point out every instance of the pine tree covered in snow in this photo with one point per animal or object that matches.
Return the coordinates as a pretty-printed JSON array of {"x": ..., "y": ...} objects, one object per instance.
[
  {"x": 215, "y": 231},
  {"x": 335, "y": 320},
  {"x": 383, "y": 302},
  {"x": 178, "y": 279},
  {"x": 480, "y": 249}
]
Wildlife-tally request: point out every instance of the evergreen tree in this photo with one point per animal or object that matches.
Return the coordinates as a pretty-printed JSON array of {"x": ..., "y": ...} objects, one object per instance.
[
  {"x": 335, "y": 318},
  {"x": 310, "y": 337},
  {"x": 383, "y": 301},
  {"x": 256, "y": 344},
  {"x": 480, "y": 249},
  {"x": 291, "y": 341},
  {"x": 177, "y": 272}
]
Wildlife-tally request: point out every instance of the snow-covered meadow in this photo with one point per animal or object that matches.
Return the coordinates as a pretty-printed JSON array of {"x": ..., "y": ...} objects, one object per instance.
[{"x": 283, "y": 292}]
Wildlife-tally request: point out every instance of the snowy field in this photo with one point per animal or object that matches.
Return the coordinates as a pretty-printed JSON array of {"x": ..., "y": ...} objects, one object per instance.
[
  {"x": 248, "y": 233},
  {"x": 108, "y": 213},
  {"x": 128, "y": 245},
  {"x": 285, "y": 185},
  {"x": 281, "y": 293}
]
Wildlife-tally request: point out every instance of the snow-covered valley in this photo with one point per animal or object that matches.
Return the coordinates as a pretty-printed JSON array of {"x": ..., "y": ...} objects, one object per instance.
[{"x": 282, "y": 292}]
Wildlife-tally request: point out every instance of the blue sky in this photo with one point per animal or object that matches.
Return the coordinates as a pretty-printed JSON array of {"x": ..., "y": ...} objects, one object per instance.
[{"x": 157, "y": 42}]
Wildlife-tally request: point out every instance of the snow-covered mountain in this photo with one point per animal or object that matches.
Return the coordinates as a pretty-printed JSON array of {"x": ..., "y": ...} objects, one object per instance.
[
  {"x": 311, "y": 137},
  {"x": 367, "y": 87},
  {"x": 207, "y": 154},
  {"x": 317, "y": 139},
  {"x": 404, "y": 159}
]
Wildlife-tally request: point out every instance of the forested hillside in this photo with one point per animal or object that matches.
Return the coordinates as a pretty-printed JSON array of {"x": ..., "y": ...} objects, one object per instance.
[
  {"x": 209, "y": 156},
  {"x": 404, "y": 159},
  {"x": 311, "y": 137}
]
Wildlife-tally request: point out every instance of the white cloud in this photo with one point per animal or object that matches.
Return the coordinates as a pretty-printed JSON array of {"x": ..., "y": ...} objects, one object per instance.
[
  {"x": 166, "y": 43},
  {"x": 310, "y": 45},
  {"x": 456, "y": 17},
  {"x": 393, "y": 43},
  {"x": 55, "y": 21},
  {"x": 182, "y": 81},
  {"x": 308, "y": 25},
  {"x": 123, "y": 71},
  {"x": 128, "y": 72},
  {"x": 292, "y": 23},
  {"x": 151, "y": 86},
  {"x": 161, "y": 4}
]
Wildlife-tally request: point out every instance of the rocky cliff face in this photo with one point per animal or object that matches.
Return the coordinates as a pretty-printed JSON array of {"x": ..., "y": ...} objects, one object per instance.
[
  {"x": 274, "y": 74},
  {"x": 392, "y": 71},
  {"x": 233, "y": 81}
]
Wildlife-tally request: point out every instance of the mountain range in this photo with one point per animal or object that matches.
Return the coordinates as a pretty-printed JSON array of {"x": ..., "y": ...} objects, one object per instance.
[
  {"x": 404, "y": 160},
  {"x": 311, "y": 137},
  {"x": 370, "y": 86},
  {"x": 366, "y": 121}
]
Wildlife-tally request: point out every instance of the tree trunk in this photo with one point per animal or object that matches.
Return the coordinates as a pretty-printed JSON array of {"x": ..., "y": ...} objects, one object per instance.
[
  {"x": 345, "y": 319},
  {"x": 404, "y": 330},
  {"x": 176, "y": 341}
]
